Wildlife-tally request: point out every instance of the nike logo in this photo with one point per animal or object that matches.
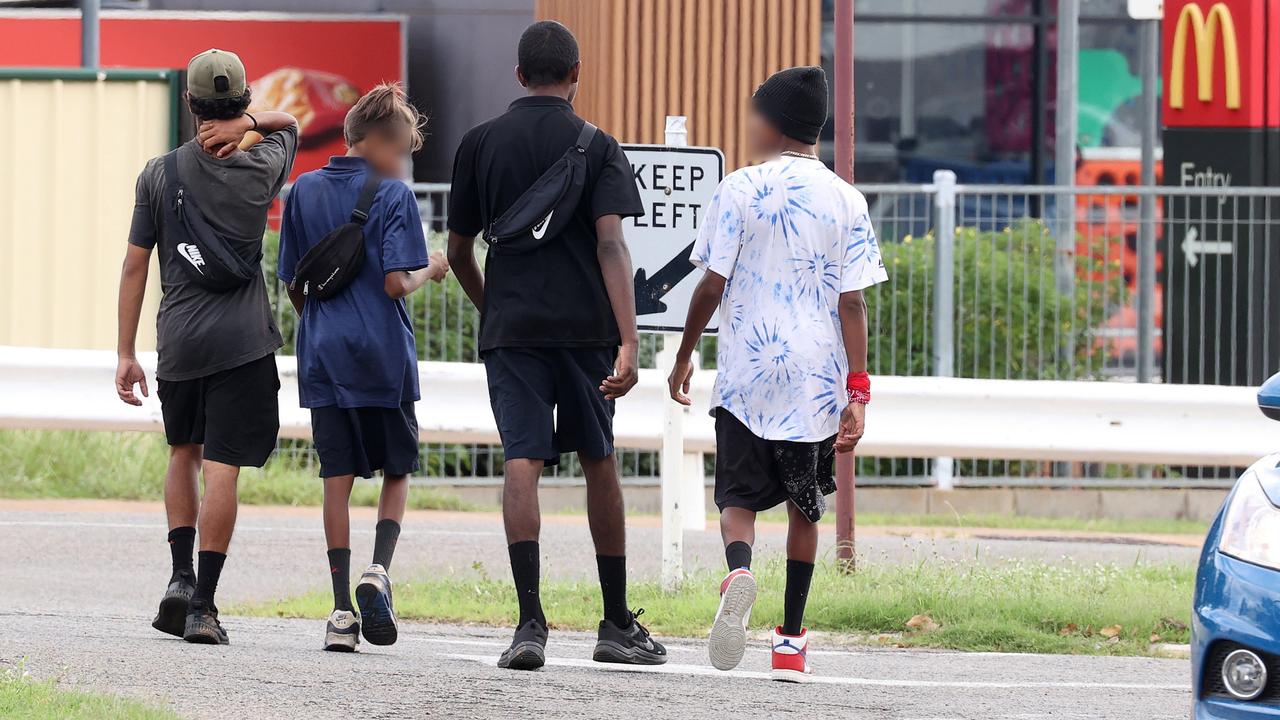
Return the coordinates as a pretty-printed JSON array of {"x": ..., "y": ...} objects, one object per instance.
[
  {"x": 540, "y": 229},
  {"x": 192, "y": 255}
]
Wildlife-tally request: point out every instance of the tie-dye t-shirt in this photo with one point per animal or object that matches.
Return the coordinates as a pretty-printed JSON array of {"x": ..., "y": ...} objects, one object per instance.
[{"x": 789, "y": 236}]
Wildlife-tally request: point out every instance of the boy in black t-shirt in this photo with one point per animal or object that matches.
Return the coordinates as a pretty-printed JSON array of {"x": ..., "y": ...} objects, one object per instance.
[{"x": 557, "y": 331}]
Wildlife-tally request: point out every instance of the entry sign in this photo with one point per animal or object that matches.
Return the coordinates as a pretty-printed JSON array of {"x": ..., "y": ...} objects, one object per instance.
[{"x": 676, "y": 185}]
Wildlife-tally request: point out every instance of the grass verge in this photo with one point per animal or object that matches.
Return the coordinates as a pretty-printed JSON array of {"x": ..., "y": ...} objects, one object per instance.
[
  {"x": 23, "y": 698},
  {"x": 131, "y": 466},
  {"x": 1006, "y": 607}
]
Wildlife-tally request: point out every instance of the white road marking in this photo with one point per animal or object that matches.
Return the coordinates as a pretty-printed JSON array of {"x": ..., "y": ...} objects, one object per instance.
[
  {"x": 239, "y": 528},
  {"x": 702, "y": 670}
]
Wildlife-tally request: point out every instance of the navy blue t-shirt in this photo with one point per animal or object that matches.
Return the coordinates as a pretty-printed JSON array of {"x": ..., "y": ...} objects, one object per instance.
[{"x": 355, "y": 349}]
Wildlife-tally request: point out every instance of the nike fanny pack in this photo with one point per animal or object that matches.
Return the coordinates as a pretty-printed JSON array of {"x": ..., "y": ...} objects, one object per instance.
[
  {"x": 335, "y": 261},
  {"x": 543, "y": 211},
  {"x": 207, "y": 257}
]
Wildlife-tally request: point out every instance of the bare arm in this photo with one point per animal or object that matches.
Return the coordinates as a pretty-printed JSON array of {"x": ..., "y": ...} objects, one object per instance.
[
  {"x": 403, "y": 283},
  {"x": 853, "y": 327},
  {"x": 222, "y": 137},
  {"x": 703, "y": 304},
  {"x": 133, "y": 287},
  {"x": 462, "y": 260},
  {"x": 619, "y": 283}
]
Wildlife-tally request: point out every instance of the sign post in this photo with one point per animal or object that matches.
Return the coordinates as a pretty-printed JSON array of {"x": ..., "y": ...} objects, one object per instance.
[{"x": 676, "y": 183}]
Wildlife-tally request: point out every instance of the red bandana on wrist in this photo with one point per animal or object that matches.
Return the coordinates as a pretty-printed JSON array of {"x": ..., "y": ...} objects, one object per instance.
[{"x": 859, "y": 387}]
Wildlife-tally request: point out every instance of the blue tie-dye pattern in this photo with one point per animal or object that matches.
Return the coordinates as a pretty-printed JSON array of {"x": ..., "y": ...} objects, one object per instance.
[{"x": 789, "y": 237}]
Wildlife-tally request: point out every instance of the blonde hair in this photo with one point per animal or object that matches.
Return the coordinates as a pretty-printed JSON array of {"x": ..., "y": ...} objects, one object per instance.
[{"x": 382, "y": 106}]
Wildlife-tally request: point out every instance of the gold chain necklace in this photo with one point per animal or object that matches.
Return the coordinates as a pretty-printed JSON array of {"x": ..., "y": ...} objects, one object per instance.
[{"x": 805, "y": 156}]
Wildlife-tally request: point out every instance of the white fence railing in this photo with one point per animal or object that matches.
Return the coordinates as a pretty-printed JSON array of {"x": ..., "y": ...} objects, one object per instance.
[{"x": 911, "y": 416}]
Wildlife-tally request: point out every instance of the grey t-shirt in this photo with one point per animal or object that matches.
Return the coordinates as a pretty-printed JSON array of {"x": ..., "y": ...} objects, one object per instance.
[{"x": 200, "y": 332}]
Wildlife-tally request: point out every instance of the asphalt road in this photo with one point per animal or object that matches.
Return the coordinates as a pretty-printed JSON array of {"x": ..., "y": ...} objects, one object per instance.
[{"x": 79, "y": 581}]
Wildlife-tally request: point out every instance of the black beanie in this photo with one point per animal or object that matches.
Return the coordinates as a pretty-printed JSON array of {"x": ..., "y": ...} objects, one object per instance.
[{"x": 795, "y": 100}]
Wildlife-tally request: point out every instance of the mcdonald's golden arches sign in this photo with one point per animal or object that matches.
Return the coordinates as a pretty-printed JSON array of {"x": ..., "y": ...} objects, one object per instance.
[{"x": 1218, "y": 70}]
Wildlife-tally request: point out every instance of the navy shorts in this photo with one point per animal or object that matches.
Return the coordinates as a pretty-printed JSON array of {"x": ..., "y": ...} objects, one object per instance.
[
  {"x": 547, "y": 401},
  {"x": 358, "y": 441},
  {"x": 234, "y": 413}
]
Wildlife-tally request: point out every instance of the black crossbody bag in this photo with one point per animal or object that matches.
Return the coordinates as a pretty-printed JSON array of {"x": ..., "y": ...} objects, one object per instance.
[
  {"x": 541, "y": 213},
  {"x": 335, "y": 261},
  {"x": 204, "y": 254}
]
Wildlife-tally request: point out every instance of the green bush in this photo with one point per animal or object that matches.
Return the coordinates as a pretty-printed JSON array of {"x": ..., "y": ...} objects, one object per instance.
[{"x": 1011, "y": 319}]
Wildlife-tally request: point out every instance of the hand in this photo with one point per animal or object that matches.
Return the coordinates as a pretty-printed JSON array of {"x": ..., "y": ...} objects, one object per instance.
[
  {"x": 438, "y": 267},
  {"x": 129, "y": 373},
  {"x": 678, "y": 381},
  {"x": 221, "y": 137},
  {"x": 625, "y": 375},
  {"x": 853, "y": 422}
]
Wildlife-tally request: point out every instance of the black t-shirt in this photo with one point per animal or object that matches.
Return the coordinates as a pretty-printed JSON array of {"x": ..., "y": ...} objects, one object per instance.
[{"x": 553, "y": 296}]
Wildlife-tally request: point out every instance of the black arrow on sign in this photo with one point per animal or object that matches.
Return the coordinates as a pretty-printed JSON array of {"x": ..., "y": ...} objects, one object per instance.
[{"x": 650, "y": 290}]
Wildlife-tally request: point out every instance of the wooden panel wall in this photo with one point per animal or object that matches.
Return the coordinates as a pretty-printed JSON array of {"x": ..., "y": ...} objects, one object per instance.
[{"x": 645, "y": 59}]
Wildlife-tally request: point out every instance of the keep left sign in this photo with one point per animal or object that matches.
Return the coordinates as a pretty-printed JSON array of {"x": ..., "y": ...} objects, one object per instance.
[{"x": 676, "y": 185}]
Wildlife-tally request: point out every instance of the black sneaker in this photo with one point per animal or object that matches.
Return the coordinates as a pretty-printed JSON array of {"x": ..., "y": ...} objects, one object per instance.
[
  {"x": 172, "y": 617},
  {"x": 377, "y": 613},
  {"x": 528, "y": 648},
  {"x": 203, "y": 627},
  {"x": 631, "y": 645}
]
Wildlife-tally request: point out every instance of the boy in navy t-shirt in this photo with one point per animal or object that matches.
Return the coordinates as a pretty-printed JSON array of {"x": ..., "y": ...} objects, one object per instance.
[{"x": 357, "y": 362}]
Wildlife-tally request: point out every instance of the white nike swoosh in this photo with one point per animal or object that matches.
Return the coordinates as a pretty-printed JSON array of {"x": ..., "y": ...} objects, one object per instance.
[{"x": 540, "y": 229}]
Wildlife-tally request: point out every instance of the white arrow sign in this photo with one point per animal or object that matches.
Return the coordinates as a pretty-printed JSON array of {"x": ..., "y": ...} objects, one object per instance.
[{"x": 1193, "y": 247}]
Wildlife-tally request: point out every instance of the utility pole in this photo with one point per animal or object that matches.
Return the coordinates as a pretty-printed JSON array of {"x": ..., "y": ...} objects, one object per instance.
[{"x": 844, "y": 168}]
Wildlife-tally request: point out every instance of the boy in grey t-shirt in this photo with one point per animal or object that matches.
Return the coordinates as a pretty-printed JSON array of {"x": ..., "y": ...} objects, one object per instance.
[{"x": 216, "y": 374}]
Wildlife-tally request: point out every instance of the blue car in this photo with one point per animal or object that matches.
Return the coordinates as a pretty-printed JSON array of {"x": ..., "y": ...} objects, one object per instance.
[{"x": 1235, "y": 634}]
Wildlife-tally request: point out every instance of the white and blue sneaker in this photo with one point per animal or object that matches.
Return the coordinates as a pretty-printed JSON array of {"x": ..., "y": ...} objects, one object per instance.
[
  {"x": 728, "y": 639},
  {"x": 377, "y": 614},
  {"x": 342, "y": 632}
]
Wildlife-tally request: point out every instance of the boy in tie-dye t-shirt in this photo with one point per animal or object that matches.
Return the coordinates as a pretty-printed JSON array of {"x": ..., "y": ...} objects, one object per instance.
[{"x": 787, "y": 247}]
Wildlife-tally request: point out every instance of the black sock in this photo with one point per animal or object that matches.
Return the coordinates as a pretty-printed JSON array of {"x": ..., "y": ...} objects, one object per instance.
[
  {"x": 182, "y": 542},
  {"x": 799, "y": 575},
  {"x": 384, "y": 542},
  {"x": 525, "y": 571},
  {"x": 738, "y": 554},
  {"x": 613, "y": 587},
  {"x": 340, "y": 574},
  {"x": 207, "y": 579}
]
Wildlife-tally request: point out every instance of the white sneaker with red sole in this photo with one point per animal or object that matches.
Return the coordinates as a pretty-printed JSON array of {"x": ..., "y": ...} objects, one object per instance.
[
  {"x": 791, "y": 656},
  {"x": 729, "y": 631}
]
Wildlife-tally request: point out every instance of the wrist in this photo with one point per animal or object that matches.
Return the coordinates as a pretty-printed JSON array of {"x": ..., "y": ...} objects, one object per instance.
[{"x": 858, "y": 387}]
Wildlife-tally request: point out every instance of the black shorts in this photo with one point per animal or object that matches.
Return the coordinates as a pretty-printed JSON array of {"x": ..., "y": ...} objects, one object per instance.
[
  {"x": 758, "y": 474},
  {"x": 547, "y": 401},
  {"x": 358, "y": 441},
  {"x": 234, "y": 413}
]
